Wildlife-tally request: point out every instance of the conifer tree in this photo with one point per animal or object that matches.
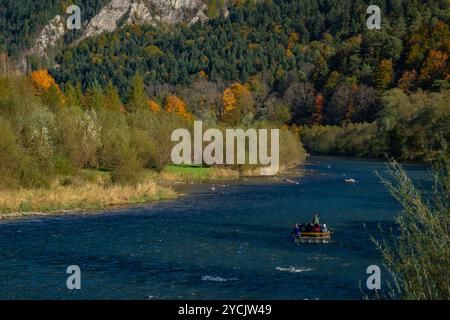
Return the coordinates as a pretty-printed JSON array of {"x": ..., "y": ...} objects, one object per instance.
[
  {"x": 112, "y": 97},
  {"x": 137, "y": 98}
]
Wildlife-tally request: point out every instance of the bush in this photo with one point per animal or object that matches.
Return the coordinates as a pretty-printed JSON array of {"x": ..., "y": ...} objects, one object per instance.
[
  {"x": 18, "y": 167},
  {"x": 10, "y": 155},
  {"x": 116, "y": 149},
  {"x": 79, "y": 136},
  {"x": 291, "y": 148},
  {"x": 320, "y": 139},
  {"x": 145, "y": 148},
  {"x": 413, "y": 126},
  {"x": 419, "y": 257},
  {"x": 129, "y": 172},
  {"x": 118, "y": 153},
  {"x": 158, "y": 127},
  {"x": 63, "y": 165},
  {"x": 352, "y": 139}
]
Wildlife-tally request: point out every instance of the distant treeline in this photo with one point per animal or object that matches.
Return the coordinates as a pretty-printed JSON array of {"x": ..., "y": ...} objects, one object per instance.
[{"x": 409, "y": 127}]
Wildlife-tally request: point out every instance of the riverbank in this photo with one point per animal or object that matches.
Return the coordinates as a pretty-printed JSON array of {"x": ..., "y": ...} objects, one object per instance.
[{"x": 92, "y": 190}]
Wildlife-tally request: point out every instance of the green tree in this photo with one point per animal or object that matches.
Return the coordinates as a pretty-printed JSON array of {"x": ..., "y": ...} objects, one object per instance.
[
  {"x": 112, "y": 97},
  {"x": 73, "y": 95},
  {"x": 96, "y": 98},
  {"x": 137, "y": 98}
]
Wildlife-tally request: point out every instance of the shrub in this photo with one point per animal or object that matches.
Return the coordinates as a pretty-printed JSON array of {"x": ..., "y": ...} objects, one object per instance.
[
  {"x": 352, "y": 139},
  {"x": 158, "y": 127},
  {"x": 129, "y": 172},
  {"x": 63, "y": 165},
  {"x": 118, "y": 152},
  {"x": 10, "y": 155},
  {"x": 79, "y": 136},
  {"x": 291, "y": 149},
  {"x": 419, "y": 257}
]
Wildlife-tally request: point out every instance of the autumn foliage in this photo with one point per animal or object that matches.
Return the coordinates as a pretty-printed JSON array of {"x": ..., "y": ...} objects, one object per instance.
[
  {"x": 229, "y": 100},
  {"x": 237, "y": 102},
  {"x": 154, "y": 106},
  {"x": 384, "y": 74},
  {"x": 175, "y": 105},
  {"x": 42, "y": 81},
  {"x": 434, "y": 66},
  {"x": 45, "y": 87},
  {"x": 317, "y": 116}
]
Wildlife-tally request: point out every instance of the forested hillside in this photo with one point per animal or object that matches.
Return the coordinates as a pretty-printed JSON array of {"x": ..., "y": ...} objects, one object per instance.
[
  {"x": 311, "y": 65},
  {"x": 319, "y": 41}
]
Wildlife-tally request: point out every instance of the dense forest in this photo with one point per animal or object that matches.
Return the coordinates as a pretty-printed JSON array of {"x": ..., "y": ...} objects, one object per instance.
[
  {"x": 311, "y": 66},
  {"x": 322, "y": 42},
  {"x": 306, "y": 63}
]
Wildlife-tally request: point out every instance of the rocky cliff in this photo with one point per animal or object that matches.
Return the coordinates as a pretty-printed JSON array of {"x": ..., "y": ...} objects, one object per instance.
[
  {"x": 145, "y": 11},
  {"x": 120, "y": 12},
  {"x": 49, "y": 35}
]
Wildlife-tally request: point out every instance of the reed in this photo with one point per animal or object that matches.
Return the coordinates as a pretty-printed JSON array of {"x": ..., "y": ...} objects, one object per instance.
[
  {"x": 78, "y": 197},
  {"x": 186, "y": 174}
]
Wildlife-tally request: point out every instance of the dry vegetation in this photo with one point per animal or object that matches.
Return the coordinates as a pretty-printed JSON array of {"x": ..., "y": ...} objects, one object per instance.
[{"x": 89, "y": 195}]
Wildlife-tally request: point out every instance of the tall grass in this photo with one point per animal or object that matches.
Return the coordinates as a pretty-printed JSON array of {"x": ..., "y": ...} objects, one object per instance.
[
  {"x": 198, "y": 173},
  {"x": 89, "y": 195},
  {"x": 419, "y": 258}
]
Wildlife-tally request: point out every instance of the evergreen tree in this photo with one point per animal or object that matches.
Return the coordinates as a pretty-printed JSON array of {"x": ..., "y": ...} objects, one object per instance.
[
  {"x": 96, "y": 98},
  {"x": 112, "y": 97},
  {"x": 137, "y": 99}
]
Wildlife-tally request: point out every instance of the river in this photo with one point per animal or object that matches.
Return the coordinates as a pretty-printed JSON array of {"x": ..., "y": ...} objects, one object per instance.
[{"x": 231, "y": 243}]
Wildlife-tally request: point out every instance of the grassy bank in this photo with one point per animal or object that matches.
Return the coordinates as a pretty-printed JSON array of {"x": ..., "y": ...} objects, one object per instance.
[
  {"x": 193, "y": 174},
  {"x": 90, "y": 190},
  {"x": 94, "y": 190},
  {"x": 90, "y": 196}
]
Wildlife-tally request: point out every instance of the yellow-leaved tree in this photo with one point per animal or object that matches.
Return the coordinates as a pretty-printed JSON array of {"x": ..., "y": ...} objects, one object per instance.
[
  {"x": 384, "y": 74},
  {"x": 238, "y": 104}
]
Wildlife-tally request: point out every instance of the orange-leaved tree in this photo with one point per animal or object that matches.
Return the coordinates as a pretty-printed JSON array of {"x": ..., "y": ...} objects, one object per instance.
[
  {"x": 317, "y": 116},
  {"x": 434, "y": 66},
  {"x": 154, "y": 106},
  {"x": 42, "y": 81},
  {"x": 45, "y": 87},
  {"x": 175, "y": 105}
]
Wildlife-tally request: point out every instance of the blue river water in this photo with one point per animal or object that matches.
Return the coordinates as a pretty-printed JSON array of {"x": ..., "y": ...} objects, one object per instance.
[{"x": 233, "y": 243}]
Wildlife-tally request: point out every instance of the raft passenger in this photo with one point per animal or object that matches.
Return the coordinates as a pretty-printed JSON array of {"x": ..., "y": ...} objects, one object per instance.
[
  {"x": 297, "y": 230},
  {"x": 316, "y": 219}
]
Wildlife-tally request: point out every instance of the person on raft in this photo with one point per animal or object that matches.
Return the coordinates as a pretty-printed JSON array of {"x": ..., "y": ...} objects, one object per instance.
[
  {"x": 316, "y": 219},
  {"x": 297, "y": 230},
  {"x": 312, "y": 227}
]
